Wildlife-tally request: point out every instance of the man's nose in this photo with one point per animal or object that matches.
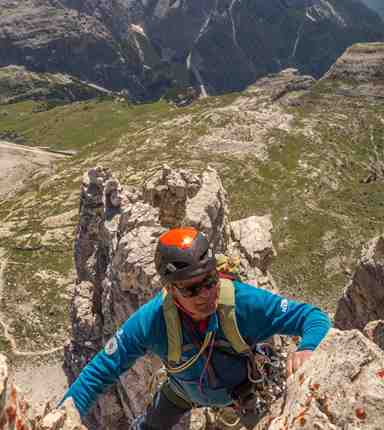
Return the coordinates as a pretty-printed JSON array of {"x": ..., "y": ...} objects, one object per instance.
[{"x": 205, "y": 292}]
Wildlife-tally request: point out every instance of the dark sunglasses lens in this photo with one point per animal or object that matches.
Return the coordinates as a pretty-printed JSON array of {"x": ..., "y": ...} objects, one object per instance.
[{"x": 209, "y": 282}]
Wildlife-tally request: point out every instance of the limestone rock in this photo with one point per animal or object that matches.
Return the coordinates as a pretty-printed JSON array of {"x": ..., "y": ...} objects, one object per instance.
[
  {"x": 169, "y": 190},
  {"x": 54, "y": 420},
  {"x": 363, "y": 297},
  {"x": 254, "y": 115},
  {"x": 374, "y": 330},
  {"x": 65, "y": 418},
  {"x": 13, "y": 408},
  {"x": 86, "y": 335},
  {"x": 214, "y": 220},
  {"x": 363, "y": 62},
  {"x": 112, "y": 193},
  {"x": 91, "y": 225},
  {"x": 252, "y": 237},
  {"x": 340, "y": 387},
  {"x": 359, "y": 71}
]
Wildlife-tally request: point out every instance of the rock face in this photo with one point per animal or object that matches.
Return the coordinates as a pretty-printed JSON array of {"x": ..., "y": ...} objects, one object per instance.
[
  {"x": 361, "y": 63},
  {"x": 145, "y": 47},
  {"x": 18, "y": 84},
  {"x": 45, "y": 37},
  {"x": 374, "y": 330},
  {"x": 114, "y": 251},
  {"x": 363, "y": 297},
  {"x": 340, "y": 387},
  {"x": 376, "y": 5},
  {"x": 359, "y": 72},
  {"x": 262, "y": 102}
]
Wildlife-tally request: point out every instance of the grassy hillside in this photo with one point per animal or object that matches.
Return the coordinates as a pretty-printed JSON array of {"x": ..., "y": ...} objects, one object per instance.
[{"x": 321, "y": 177}]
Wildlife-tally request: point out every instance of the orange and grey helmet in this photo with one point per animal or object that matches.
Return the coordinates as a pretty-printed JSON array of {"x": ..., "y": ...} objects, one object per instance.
[{"x": 183, "y": 253}]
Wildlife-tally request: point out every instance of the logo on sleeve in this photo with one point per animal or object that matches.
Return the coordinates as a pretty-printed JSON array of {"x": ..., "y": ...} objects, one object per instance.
[
  {"x": 284, "y": 305},
  {"x": 111, "y": 346}
]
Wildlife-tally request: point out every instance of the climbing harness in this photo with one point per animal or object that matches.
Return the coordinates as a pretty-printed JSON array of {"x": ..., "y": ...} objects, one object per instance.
[
  {"x": 226, "y": 311},
  {"x": 266, "y": 366},
  {"x": 266, "y": 381}
]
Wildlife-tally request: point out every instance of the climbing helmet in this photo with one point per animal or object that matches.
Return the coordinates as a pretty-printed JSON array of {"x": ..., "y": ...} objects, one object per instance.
[{"x": 183, "y": 253}]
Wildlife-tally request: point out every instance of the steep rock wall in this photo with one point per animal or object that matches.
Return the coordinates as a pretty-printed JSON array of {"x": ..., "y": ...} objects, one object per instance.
[
  {"x": 47, "y": 38},
  {"x": 361, "y": 63},
  {"x": 376, "y": 5}
]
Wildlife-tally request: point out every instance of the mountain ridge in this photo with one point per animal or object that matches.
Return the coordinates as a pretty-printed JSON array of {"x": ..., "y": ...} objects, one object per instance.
[
  {"x": 375, "y": 5},
  {"x": 144, "y": 48}
]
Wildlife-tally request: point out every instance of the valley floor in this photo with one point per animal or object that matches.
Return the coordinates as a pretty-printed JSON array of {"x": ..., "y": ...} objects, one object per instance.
[
  {"x": 41, "y": 383},
  {"x": 44, "y": 381},
  {"x": 17, "y": 162}
]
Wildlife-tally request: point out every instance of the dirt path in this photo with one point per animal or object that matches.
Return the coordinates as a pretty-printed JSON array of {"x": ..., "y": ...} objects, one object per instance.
[
  {"x": 17, "y": 162},
  {"x": 45, "y": 381},
  {"x": 41, "y": 383}
]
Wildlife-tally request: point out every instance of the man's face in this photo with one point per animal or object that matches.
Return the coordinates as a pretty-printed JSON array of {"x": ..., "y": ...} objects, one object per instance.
[{"x": 203, "y": 304}]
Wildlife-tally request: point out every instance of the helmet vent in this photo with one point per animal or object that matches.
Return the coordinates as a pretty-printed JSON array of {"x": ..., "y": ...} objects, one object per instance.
[{"x": 171, "y": 267}]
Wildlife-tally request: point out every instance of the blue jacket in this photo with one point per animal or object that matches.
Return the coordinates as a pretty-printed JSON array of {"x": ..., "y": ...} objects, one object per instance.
[{"x": 260, "y": 314}]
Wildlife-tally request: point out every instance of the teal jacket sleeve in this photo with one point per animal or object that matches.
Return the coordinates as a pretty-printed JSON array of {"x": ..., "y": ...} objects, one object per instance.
[
  {"x": 129, "y": 343},
  {"x": 261, "y": 314}
]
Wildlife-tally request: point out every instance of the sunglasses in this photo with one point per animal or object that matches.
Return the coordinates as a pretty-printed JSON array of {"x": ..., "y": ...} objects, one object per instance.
[{"x": 194, "y": 290}]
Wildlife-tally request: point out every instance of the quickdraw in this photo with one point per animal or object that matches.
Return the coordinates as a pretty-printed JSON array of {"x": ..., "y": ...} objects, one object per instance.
[{"x": 266, "y": 381}]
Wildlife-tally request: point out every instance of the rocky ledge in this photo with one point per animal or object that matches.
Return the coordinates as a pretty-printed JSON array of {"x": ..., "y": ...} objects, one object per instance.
[
  {"x": 363, "y": 62},
  {"x": 360, "y": 70}
]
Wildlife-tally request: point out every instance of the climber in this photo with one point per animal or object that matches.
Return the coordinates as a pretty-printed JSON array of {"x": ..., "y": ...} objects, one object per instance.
[{"x": 206, "y": 330}]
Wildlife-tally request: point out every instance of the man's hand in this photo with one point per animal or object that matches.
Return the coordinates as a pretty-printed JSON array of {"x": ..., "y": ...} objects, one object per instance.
[{"x": 296, "y": 360}]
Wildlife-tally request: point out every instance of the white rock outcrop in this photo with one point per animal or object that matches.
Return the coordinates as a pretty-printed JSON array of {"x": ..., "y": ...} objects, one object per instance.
[{"x": 340, "y": 387}]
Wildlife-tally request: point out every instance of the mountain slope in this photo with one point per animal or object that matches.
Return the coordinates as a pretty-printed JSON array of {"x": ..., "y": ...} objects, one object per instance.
[
  {"x": 310, "y": 153},
  {"x": 146, "y": 47},
  {"x": 376, "y": 5}
]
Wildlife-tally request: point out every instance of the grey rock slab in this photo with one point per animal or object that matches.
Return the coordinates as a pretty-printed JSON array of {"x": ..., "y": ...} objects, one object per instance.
[{"x": 340, "y": 387}]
